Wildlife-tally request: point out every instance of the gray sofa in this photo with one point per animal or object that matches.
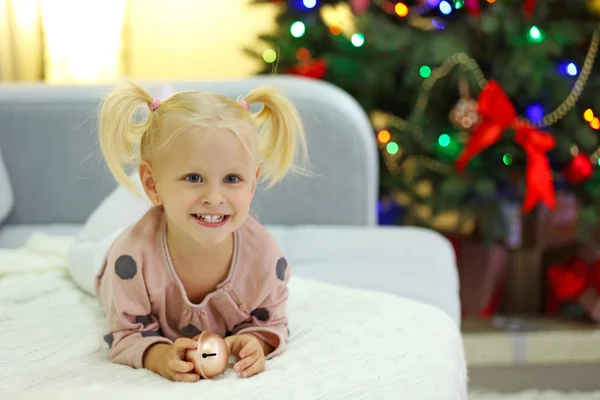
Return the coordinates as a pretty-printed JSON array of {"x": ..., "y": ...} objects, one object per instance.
[{"x": 57, "y": 180}]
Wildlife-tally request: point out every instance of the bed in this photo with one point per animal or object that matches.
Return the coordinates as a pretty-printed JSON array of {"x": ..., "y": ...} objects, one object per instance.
[{"x": 374, "y": 310}]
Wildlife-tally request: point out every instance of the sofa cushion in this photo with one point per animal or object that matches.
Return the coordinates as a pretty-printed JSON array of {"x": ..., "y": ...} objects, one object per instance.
[{"x": 6, "y": 194}]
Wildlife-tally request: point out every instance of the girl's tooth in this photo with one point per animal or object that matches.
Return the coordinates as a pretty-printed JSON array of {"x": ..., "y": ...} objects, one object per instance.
[{"x": 211, "y": 218}]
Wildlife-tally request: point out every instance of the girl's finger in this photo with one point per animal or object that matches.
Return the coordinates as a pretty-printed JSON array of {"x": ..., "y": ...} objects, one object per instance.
[
  {"x": 249, "y": 348},
  {"x": 181, "y": 345},
  {"x": 185, "y": 343},
  {"x": 180, "y": 366},
  {"x": 257, "y": 367},
  {"x": 180, "y": 377},
  {"x": 246, "y": 361}
]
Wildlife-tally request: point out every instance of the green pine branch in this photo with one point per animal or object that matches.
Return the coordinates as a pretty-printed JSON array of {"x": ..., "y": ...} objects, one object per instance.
[{"x": 384, "y": 74}]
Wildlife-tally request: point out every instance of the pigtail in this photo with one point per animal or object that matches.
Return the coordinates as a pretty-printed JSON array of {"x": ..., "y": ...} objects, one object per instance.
[
  {"x": 282, "y": 140},
  {"x": 124, "y": 118}
]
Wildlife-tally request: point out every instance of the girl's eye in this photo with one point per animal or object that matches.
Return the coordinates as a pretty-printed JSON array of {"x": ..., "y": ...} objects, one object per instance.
[
  {"x": 232, "y": 179},
  {"x": 193, "y": 178}
]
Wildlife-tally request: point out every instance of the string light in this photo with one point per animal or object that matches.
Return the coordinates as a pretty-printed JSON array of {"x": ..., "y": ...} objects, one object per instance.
[
  {"x": 401, "y": 10},
  {"x": 384, "y": 136},
  {"x": 298, "y": 29},
  {"x": 535, "y": 112},
  {"x": 422, "y": 7},
  {"x": 444, "y": 140},
  {"x": 445, "y": 7},
  {"x": 568, "y": 69},
  {"x": 425, "y": 71},
  {"x": 269, "y": 56},
  {"x": 310, "y": 3},
  {"x": 507, "y": 159},
  {"x": 357, "y": 39},
  {"x": 588, "y": 115},
  {"x": 392, "y": 148},
  {"x": 535, "y": 34}
]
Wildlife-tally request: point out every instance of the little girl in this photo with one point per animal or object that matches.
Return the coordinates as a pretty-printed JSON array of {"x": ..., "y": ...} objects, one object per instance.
[{"x": 196, "y": 261}]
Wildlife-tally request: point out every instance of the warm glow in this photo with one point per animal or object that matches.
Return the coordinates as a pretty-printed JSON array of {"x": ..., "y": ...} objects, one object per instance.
[
  {"x": 595, "y": 123},
  {"x": 20, "y": 41},
  {"x": 384, "y": 136},
  {"x": 491, "y": 1},
  {"x": 401, "y": 9},
  {"x": 588, "y": 115},
  {"x": 197, "y": 39},
  {"x": 83, "y": 41}
]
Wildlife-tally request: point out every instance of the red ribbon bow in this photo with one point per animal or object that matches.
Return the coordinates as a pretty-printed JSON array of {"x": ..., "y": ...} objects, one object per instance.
[
  {"x": 567, "y": 282},
  {"x": 473, "y": 6},
  {"x": 497, "y": 114}
]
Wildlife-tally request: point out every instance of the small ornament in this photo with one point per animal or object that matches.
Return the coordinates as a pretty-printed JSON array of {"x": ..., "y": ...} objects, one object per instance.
[
  {"x": 210, "y": 357},
  {"x": 464, "y": 114},
  {"x": 579, "y": 169}
]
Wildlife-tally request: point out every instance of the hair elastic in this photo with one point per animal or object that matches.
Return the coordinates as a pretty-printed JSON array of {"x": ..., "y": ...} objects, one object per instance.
[
  {"x": 244, "y": 104},
  {"x": 154, "y": 105}
]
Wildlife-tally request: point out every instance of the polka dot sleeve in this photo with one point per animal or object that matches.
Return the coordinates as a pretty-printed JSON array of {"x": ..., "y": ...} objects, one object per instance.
[
  {"x": 269, "y": 320},
  {"x": 131, "y": 327}
]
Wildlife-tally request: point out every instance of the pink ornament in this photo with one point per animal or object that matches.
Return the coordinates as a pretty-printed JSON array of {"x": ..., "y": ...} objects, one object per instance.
[{"x": 360, "y": 6}]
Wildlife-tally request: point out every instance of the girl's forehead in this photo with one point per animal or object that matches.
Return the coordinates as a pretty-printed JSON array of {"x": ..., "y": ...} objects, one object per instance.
[{"x": 205, "y": 149}]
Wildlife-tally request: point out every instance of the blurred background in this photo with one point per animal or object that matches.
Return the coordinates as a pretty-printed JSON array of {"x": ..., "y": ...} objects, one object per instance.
[
  {"x": 485, "y": 112},
  {"x": 70, "y": 41}
]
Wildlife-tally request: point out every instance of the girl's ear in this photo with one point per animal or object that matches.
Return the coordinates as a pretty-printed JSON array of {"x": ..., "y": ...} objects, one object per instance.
[{"x": 149, "y": 183}]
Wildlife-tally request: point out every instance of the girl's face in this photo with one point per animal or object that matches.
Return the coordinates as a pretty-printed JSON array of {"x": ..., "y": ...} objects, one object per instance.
[{"x": 205, "y": 183}]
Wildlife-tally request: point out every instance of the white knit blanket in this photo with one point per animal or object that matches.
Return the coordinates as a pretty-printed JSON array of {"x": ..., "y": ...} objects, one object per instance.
[{"x": 344, "y": 343}]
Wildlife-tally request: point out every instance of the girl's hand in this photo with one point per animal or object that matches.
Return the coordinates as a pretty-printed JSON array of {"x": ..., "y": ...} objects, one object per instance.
[
  {"x": 249, "y": 352},
  {"x": 174, "y": 365}
]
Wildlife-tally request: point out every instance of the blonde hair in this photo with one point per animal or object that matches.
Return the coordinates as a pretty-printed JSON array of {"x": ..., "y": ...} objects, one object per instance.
[{"x": 130, "y": 131}]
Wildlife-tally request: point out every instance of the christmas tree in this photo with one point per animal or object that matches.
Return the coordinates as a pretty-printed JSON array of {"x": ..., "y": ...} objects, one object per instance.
[{"x": 475, "y": 104}]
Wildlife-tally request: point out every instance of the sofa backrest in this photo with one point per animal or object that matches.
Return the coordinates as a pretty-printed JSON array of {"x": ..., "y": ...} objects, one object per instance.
[{"x": 48, "y": 138}]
